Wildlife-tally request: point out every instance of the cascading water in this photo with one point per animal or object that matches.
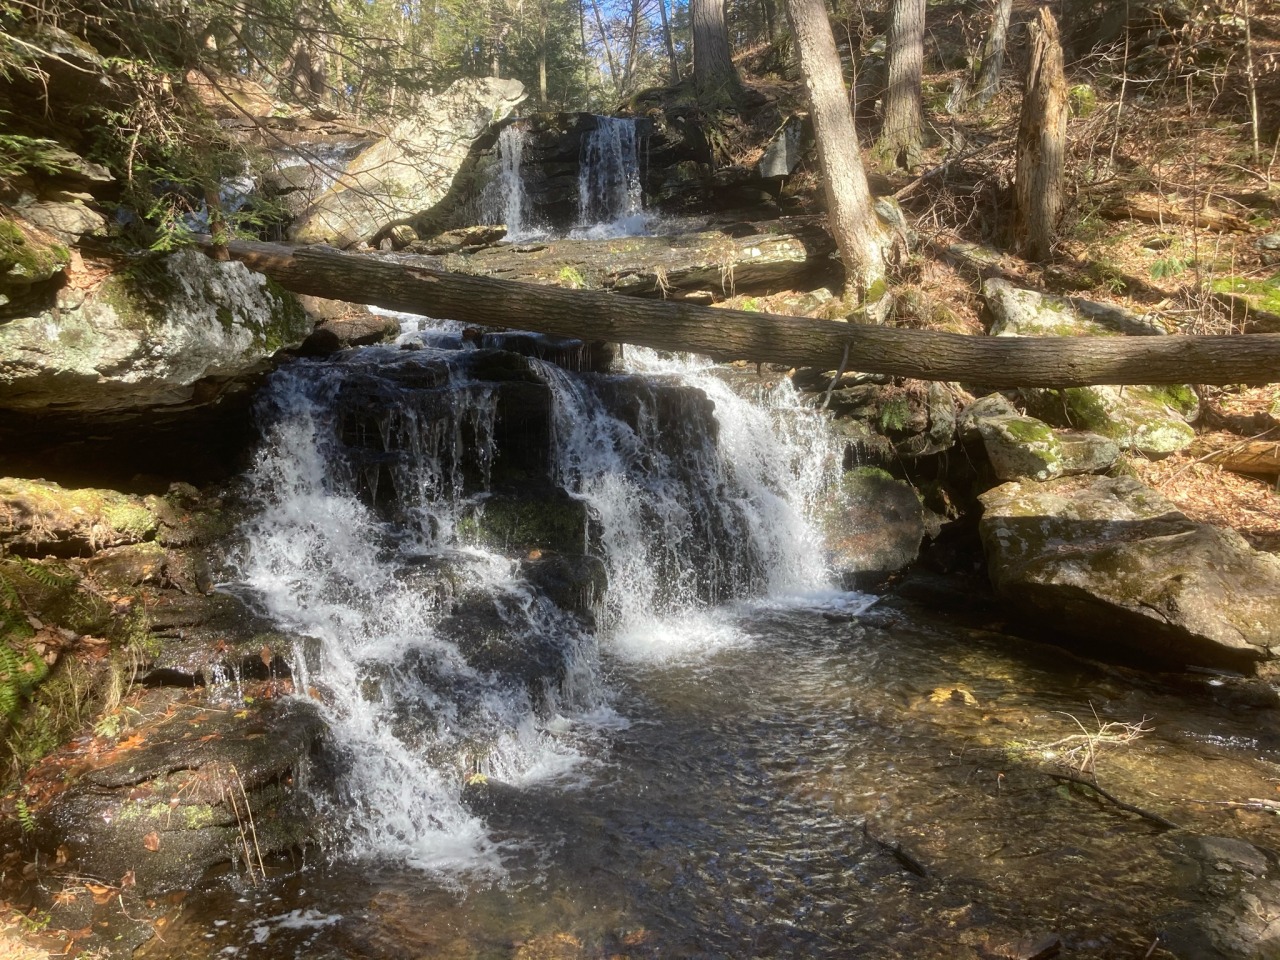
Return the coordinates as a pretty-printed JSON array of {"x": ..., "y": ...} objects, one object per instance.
[
  {"x": 610, "y": 196},
  {"x": 505, "y": 198},
  {"x": 437, "y": 658}
]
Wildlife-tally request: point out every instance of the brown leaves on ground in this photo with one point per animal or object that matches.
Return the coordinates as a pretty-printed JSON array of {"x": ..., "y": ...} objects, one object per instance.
[{"x": 1210, "y": 494}]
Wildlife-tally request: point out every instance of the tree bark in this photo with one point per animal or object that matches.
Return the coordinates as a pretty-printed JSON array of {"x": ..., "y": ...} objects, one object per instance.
[
  {"x": 1042, "y": 138},
  {"x": 858, "y": 234},
  {"x": 992, "y": 63},
  {"x": 1260, "y": 457},
  {"x": 670, "y": 44},
  {"x": 419, "y": 285},
  {"x": 903, "y": 128},
  {"x": 713, "y": 69}
]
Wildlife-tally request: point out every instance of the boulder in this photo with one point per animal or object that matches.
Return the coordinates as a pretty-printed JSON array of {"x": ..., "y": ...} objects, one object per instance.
[
  {"x": 1109, "y": 562},
  {"x": 147, "y": 339},
  {"x": 164, "y": 804},
  {"x": 1150, "y": 420},
  {"x": 37, "y": 517},
  {"x": 873, "y": 526},
  {"x": 411, "y": 170},
  {"x": 1018, "y": 312},
  {"x": 1254, "y": 302},
  {"x": 1018, "y": 446}
]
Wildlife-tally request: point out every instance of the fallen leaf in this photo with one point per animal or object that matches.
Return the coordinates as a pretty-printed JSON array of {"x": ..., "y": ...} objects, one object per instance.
[
  {"x": 62, "y": 856},
  {"x": 128, "y": 880},
  {"x": 266, "y": 656},
  {"x": 101, "y": 893},
  {"x": 151, "y": 841}
]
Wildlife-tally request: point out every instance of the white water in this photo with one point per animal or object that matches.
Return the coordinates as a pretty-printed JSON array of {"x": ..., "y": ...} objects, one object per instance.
[
  {"x": 510, "y": 186},
  {"x": 696, "y": 516},
  {"x": 610, "y": 195}
]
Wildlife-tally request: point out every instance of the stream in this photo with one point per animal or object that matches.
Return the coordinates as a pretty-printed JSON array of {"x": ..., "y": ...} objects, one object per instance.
[{"x": 717, "y": 756}]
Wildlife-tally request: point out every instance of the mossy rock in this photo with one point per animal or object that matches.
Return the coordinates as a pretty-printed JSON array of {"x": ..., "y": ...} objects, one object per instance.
[
  {"x": 550, "y": 520},
  {"x": 27, "y": 260},
  {"x": 37, "y": 516},
  {"x": 873, "y": 525},
  {"x": 1150, "y": 420},
  {"x": 1255, "y": 302}
]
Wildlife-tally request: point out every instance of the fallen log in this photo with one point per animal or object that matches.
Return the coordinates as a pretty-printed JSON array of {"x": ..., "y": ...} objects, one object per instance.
[
  {"x": 1246, "y": 456},
  {"x": 785, "y": 252},
  {"x": 1162, "y": 213},
  {"x": 420, "y": 285}
]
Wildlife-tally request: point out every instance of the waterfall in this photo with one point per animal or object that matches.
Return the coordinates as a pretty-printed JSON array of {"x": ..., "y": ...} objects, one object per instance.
[
  {"x": 610, "y": 197},
  {"x": 510, "y": 183},
  {"x": 435, "y": 655}
]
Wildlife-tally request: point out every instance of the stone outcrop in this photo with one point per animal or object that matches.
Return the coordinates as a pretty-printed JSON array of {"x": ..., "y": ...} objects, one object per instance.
[
  {"x": 152, "y": 339},
  {"x": 1110, "y": 562},
  {"x": 1151, "y": 421},
  {"x": 412, "y": 169},
  {"x": 1019, "y": 312},
  {"x": 1018, "y": 446},
  {"x": 874, "y": 525}
]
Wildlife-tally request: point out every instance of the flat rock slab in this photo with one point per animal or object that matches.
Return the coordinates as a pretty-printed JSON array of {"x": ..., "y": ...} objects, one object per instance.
[{"x": 1108, "y": 561}]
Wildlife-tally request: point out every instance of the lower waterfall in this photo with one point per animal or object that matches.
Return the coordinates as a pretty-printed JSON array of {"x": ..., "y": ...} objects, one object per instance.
[{"x": 396, "y": 490}]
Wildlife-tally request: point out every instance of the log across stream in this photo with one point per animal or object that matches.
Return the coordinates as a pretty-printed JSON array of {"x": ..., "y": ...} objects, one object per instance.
[{"x": 423, "y": 285}]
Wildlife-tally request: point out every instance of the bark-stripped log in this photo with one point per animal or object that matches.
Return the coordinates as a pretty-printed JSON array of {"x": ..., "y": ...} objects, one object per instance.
[{"x": 420, "y": 285}]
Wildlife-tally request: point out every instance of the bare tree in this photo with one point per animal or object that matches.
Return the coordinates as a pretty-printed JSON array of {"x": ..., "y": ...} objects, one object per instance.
[
  {"x": 902, "y": 132},
  {"x": 713, "y": 69},
  {"x": 862, "y": 242},
  {"x": 992, "y": 61},
  {"x": 1042, "y": 136}
]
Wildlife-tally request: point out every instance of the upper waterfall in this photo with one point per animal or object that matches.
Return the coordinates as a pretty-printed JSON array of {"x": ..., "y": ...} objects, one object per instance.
[{"x": 610, "y": 196}]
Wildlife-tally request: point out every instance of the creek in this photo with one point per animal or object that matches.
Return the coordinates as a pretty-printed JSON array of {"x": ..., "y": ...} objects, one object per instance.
[{"x": 524, "y": 763}]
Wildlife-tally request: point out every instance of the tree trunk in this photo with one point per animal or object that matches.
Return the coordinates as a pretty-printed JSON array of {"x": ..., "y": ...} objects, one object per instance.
[
  {"x": 1042, "y": 138},
  {"x": 903, "y": 129},
  {"x": 608, "y": 49},
  {"x": 419, "y": 285},
  {"x": 1259, "y": 457},
  {"x": 670, "y": 44},
  {"x": 858, "y": 234},
  {"x": 992, "y": 62},
  {"x": 713, "y": 69}
]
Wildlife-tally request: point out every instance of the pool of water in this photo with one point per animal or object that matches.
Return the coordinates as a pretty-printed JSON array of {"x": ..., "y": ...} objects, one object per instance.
[{"x": 720, "y": 805}]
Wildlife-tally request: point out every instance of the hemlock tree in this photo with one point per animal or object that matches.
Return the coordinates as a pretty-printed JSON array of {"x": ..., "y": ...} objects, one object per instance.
[
  {"x": 902, "y": 132},
  {"x": 863, "y": 243},
  {"x": 713, "y": 69},
  {"x": 989, "y": 68}
]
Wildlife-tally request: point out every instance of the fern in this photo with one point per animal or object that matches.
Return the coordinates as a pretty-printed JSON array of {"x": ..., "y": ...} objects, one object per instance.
[{"x": 21, "y": 667}]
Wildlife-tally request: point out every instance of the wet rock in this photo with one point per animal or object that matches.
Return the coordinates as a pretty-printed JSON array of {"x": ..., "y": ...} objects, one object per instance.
[
  {"x": 176, "y": 797},
  {"x": 1111, "y": 562},
  {"x": 874, "y": 525},
  {"x": 551, "y": 520},
  {"x": 412, "y": 170},
  {"x": 1234, "y": 901},
  {"x": 576, "y": 584},
  {"x": 147, "y": 342},
  {"x": 356, "y": 329},
  {"x": 919, "y": 420}
]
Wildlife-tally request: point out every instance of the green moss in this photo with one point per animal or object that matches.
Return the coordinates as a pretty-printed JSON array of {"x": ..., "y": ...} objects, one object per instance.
[
  {"x": 25, "y": 261},
  {"x": 1263, "y": 295},
  {"x": 1088, "y": 411},
  {"x": 894, "y": 415},
  {"x": 1028, "y": 430},
  {"x": 523, "y": 524},
  {"x": 1084, "y": 100},
  {"x": 570, "y": 277},
  {"x": 1180, "y": 397},
  {"x": 121, "y": 295},
  {"x": 290, "y": 321}
]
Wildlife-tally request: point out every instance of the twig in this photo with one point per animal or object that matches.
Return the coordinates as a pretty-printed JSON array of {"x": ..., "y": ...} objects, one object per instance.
[
  {"x": 902, "y": 856},
  {"x": 844, "y": 360},
  {"x": 1145, "y": 814}
]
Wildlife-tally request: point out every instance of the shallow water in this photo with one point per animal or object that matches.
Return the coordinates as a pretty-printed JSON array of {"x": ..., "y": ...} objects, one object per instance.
[{"x": 719, "y": 813}]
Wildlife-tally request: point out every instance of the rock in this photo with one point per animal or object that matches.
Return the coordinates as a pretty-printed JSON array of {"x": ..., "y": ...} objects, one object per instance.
[
  {"x": 229, "y": 97},
  {"x": 1149, "y": 420},
  {"x": 918, "y": 419},
  {"x": 454, "y": 241},
  {"x": 357, "y": 328},
  {"x": 1018, "y": 312},
  {"x": 160, "y": 805},
  {"x": 147, "y": 339},
  {"x": 783, "y": 153},
  {"x": 411, "y": 170},
  {"x": 31, "y": 267},
  {"x": 1269, "y": 242},
  {"x": 874, "y": 525},
  {"x": 1255, "y": 303},
  {"x": 37, "y": 517},
  {"x": 552, "y": 521},
  {"x": 1111, "y": 562},
  {"x": 1019, "y": 446},
  {"x": 68, "y": 222},
  {"x": 574, "y": 583}
]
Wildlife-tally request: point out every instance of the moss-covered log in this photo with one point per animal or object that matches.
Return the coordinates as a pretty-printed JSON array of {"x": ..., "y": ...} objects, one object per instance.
[{"x": 421, "y": 285}]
